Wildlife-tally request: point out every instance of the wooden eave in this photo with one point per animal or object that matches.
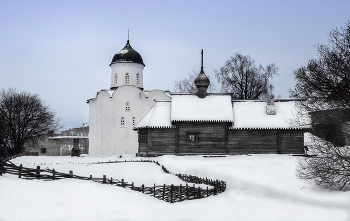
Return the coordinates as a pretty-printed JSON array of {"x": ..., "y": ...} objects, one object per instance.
[{"x": 268, "y": 128}]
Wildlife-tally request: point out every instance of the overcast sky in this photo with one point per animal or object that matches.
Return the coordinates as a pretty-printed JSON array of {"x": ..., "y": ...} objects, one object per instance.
[{"x": 61, "y": 50}]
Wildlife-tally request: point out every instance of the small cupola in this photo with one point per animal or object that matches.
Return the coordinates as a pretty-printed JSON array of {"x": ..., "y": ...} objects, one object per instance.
[{"x": 202, "y": 82}]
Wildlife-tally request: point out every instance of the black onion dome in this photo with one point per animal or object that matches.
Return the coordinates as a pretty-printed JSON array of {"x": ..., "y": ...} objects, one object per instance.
[
  {"x": 202, "y": 80},
  {"x": 127, "y": 54}
]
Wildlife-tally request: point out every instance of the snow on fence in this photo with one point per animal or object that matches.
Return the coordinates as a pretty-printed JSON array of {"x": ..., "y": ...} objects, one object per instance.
[{"x": 168, "y": 193}]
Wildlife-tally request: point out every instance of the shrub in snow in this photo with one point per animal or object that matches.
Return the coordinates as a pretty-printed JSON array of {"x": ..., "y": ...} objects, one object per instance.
[{"x": 328, "y": 165}]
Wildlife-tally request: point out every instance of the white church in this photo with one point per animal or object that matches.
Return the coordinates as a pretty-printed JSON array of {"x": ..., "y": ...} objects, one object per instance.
[{"x": 113, "y": 113}]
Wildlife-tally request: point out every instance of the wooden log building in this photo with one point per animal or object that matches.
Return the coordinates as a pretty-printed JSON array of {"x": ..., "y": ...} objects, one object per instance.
[{"x": 211, "y": 123}]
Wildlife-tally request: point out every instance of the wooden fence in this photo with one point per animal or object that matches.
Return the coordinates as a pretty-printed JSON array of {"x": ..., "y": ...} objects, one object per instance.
[{"x": 168, "y": 193}]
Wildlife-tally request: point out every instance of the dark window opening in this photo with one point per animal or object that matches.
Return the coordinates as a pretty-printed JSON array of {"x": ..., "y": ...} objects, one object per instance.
[
  {"x": 127, "y": 106},
  {"x": 192, "y": 136},
  {"x": 143, "y": 137},
  {"x": 126, "y": 78},
  {"x": 42, "y": 150},
  {"x": 122, "y": 121}
]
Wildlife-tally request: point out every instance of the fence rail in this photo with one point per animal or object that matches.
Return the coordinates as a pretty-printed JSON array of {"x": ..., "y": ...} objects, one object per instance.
[{"x": 168, "y": 193}]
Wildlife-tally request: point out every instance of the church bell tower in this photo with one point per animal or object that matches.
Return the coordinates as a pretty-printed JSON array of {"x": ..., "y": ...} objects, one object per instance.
[{"x": 127, "y": 68}]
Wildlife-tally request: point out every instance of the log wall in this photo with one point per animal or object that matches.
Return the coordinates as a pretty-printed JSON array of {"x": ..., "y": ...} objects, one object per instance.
[
  {"x": 159, "y": 141},
  {"x": 211, "y": 138},
  {"x": 215, "y": 138},
  {"x": 291, "y": 141},
  {"x": 252, "y": 141}
]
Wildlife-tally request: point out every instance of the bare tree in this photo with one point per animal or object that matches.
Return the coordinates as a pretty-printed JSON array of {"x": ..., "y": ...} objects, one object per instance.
[
  {"x": 187, "y": 85},
  {"x": 327, "y": 78},
  {"x": 324, "y": 86},
  {"x": 244, "y": 79},
  {"x": 24, "y": 117}
]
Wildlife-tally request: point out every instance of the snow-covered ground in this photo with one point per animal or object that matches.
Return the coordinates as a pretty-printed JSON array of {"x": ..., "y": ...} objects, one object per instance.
[{"x": 259, "y": 187}]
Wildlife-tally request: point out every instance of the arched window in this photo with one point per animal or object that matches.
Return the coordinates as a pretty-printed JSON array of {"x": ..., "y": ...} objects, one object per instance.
[
  {"x": 116, "y": 78},
  {"x": 133, "y": 121},
  {"x": 137, "y": 78},
  {"x": 122, "y": 121},
  {"x": 127, "y": 106},
  {"x": 127, "y": 78}
]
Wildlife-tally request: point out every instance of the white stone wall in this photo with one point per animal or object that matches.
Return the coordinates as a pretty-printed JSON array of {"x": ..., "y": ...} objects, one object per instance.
[
  {"x": 107, "y": 136},
  {"x": 119, "y": 71}
]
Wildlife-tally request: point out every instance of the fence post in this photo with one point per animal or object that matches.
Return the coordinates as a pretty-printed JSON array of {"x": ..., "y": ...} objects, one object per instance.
[
  {"x": 171, "y": 193},
  {"x": 38, "y": 172},
  {"x": 1, "y": 166},
  {"x": 200, "y": 192},
  {"x": 143, "y": 188},
  {"x": 104, "y": 179},
  {"x": 71, "y": 173},
  {"x": 154, "y": 190},
  {"x": 207, "y": 191},
  {"x": 194, "y": 191},
  {"x": 90, "y": 177},
  {"x": 111, "y": 181},
  {"x": 180, "y": 192},
  {"x": 164, "y": 192},
  {"x": 20, "y": 171},
  {"x": 132, "y": 185},
  {"x": 122, "y": 182},
  {"x": 187, "y": 191},
  {"x": 53, "y": 174},
  {"x": 172, "y": 189}
]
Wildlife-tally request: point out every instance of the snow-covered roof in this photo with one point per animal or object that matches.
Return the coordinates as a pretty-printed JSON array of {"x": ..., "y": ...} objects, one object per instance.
[
  {"x": 252, "y": 114},
  {"x": 212, "y": 108},
  {"x": 158, "y": 116},
  {"x": 218, "y": 108},
  {"x": 166, "y": 92},
  {"x": 110, "y": 92}
]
